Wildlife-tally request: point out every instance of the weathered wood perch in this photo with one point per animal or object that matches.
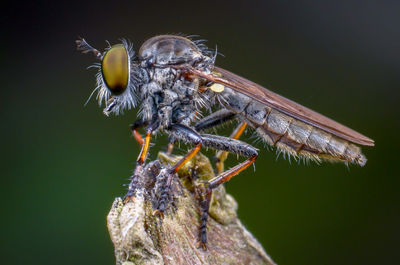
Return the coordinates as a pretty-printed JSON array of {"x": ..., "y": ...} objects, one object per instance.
[{"x": 139, "y": 237}]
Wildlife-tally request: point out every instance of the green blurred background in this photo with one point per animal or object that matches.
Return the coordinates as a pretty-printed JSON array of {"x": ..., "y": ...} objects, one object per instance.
[{"x": 62, "y": 164}]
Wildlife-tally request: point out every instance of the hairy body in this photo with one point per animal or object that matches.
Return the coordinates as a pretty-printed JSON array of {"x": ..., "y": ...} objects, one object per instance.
[{"x": 174, "y": 79}]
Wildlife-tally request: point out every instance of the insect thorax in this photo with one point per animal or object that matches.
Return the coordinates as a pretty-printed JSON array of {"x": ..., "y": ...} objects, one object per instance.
[
  {"x": 168, "y": 50},
  {"x": 169, "y": 95}
]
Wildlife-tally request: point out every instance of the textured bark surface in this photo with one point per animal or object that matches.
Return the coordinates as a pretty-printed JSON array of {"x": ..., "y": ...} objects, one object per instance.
[{"x": 139, "y": 237}]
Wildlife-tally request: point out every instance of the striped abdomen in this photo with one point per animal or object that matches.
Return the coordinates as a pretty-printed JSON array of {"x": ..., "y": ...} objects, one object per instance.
[{"x": 289, "y": 134}]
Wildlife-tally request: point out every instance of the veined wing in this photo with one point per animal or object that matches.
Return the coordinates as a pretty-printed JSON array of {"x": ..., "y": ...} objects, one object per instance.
[{"x": 281, "y": 104}]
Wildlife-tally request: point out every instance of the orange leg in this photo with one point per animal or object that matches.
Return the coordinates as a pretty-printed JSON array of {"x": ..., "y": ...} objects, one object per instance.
[
  {"x": 223, "y": 155},
  {"x": 187, "y": 158},
  {"x": 145, "y": 149},
  {"x": 212, "y": 141},
  {"x": 207, "y": 191},
  {"x": 138, "y": 137},
  {"x": 139, "y": 167},
  {"x": 165, "y": 191},
  {"x": 188, "y": 135},
  {"x": 227, "y": 175},
  {"x": 134, "y": 129}
]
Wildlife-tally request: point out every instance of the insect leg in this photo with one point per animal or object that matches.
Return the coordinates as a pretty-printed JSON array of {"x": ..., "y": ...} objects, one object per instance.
[
  {"x": 228, "y": 145},
  {"x": 177, "y": 131},
  {"x": 223, "y": 155},
  {"x": 172, "y": 140},
  {"x": 134, "y": 129},
  {"x": 204, "y": 206},
  {"x": 187, "y": 134},
  {"x": 140, "y": 161},
  {"x": 214, "y": 119},
  {"x": 210, "y": 121}
]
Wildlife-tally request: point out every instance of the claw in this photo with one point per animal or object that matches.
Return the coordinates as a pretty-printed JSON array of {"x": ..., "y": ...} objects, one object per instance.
[
  {"x": 129, "y": 199},
  {"x": 159, "y": 213},
  {"x": 201, "y": 188},
  {"x": 204, "y": 246},
  {"x": 201, "y": 245}
]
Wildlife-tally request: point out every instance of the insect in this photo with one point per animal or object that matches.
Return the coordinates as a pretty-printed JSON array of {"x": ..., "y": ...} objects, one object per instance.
[{"x": 173, "y": 79}]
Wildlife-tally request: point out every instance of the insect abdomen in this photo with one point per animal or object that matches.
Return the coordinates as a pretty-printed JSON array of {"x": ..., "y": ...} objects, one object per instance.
[{"x": 291, "y": 135}]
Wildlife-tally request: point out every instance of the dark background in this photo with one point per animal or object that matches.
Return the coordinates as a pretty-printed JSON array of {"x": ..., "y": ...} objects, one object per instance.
[{"x": 62, "y": 164}]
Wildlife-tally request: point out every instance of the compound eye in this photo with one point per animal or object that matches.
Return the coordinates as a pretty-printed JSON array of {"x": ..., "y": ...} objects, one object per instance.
[{"x": 115, "y": 69}]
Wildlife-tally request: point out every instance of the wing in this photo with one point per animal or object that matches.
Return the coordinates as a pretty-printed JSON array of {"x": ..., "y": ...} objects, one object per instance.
[{"x": 281, "y": 104}]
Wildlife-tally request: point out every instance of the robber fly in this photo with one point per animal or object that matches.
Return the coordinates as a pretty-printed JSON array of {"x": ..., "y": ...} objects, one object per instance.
[{"x": 174, "y": 79}]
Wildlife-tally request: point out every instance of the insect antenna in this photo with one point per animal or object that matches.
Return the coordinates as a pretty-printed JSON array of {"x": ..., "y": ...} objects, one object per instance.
[{"x": 83, "y": 46}]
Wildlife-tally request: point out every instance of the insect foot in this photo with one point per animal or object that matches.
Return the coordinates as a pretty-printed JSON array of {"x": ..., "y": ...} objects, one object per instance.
[
  {"x": 163, "y": 191},
  {"x": 142, "y": 238},
  {"x": 204, "y": 194},
  {"x": 133, "y": 185}
]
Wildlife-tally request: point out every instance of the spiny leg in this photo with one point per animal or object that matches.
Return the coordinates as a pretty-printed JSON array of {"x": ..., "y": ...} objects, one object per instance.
[
  {"x": 172, "y": 140},
  {"x": 187, "y": 134},
  {"x": 204, "y": 206},
  {"x": 232, "y": 146},
  {"x": 140, "y": 161},
  {"x": 212, "y": 141},
  {"x": 214, "y": 119},
  {"x": 223, "y": 155}
]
